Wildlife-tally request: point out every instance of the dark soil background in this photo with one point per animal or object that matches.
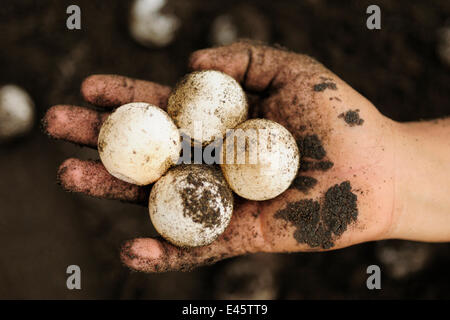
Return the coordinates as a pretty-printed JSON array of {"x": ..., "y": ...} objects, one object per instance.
[{"x": 43, "y": 229}]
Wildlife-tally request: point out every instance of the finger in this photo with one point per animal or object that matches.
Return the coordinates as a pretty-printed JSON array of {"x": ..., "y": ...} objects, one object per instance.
[
  {"x": 242, "y": 236},
  {"x": 113, "y": 90},
  {"x": 255, "y": 66},
  {"x": 75, "y": 124},
  {"x": 91, "y": 178}
]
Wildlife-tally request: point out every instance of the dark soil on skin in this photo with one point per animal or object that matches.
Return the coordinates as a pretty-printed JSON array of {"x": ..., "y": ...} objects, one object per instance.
[
  {"x": 318, "y": 223},
  {"x": 324, "y": 85},
  {"x": 351, "y": 117},
  {"x": 304, "y": 183},
  {"x": 306, "y": 165},
  {"x": 311, "y": 147},
  {"x": 311, "y": 150}
]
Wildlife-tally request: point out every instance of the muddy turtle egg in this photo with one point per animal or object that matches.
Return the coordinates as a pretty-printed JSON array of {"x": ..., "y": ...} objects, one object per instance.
[
  {"x": 205, "y": 104},
  {"x": 191, "y": 205},
  {"x": 138, "y": 142},
  {"x": 16, "y": 112},
  {"x": 260, "y": 159}
]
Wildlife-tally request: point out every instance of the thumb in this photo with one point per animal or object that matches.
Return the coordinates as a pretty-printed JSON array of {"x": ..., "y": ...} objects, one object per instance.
[{"x": 255, "y": 66}]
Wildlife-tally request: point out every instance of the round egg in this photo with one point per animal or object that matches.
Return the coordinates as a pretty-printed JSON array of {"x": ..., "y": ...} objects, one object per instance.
[
  {"x": 138, "y": 143},
  {"x": 16, "y": 112},
  {"x": 205, "y": 104},
  {"x": 259, "y": 159},
  {"x": 151, "y": 25},
  {"x": 191, "y": 205}
]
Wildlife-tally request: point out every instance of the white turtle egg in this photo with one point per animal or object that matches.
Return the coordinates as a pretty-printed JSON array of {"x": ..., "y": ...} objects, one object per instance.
[
  {"x": 204, "y": 104},
  {"x": 150, "y": 26},
  {"x": 138, "y": 143},
  {"x": 259, "y": 159},
  {"x": 16, "y": 112},
  {"x": 191, "y": 205}
]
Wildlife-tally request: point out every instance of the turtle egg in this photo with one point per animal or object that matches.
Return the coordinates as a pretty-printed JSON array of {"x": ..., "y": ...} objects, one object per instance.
[
  {"x": 191, "y": 205},
  {"x": 204, "y": 104},
  {"x": 259, "y": 159},
  {"x": 16, "y": 112},
  {"x": 138, "y": 143},
  {"x": 150, "y": 25}
]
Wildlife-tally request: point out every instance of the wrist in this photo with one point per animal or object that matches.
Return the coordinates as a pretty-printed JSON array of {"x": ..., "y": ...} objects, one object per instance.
[{"x": 422, "y": 182}]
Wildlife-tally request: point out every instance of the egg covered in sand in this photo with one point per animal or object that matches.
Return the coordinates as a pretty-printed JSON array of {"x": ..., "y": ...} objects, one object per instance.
[
  {"x": 138, "y": 143},
  {"x": 204, "y": 104},
  {"x": 191, "y": 205}
]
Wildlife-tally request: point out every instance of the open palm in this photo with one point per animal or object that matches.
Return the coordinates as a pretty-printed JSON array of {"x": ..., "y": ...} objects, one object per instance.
[{"x": 343, "y": 194}]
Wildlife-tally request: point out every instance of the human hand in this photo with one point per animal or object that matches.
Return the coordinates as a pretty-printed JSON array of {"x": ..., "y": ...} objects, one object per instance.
[{"x": 344, "y": 193}]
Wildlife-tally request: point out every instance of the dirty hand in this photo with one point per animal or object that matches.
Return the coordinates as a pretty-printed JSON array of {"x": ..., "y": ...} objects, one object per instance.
[{"x": 352, "y": 183}]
